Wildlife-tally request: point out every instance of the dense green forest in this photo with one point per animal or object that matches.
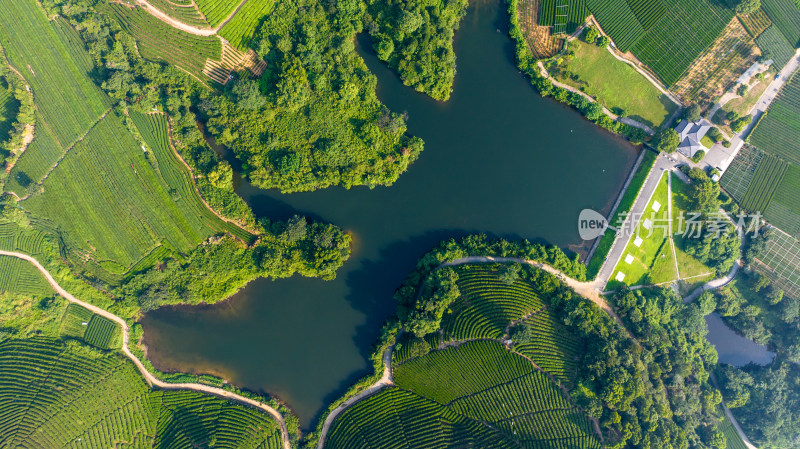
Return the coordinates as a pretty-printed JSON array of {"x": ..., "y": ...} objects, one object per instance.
[
  {"x": 416, "y": 39},
  {"x": 311, "y": 121}
]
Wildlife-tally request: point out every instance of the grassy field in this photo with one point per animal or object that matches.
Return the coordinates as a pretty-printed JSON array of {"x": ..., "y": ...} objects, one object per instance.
[
  {"x": 650, "y": 250},
  {"x": 666, "y": 35},
  {"x": 441, "y": 400},
  {"x": 778, "y": 132},
  {"x": 617, "y": 85},
  {"x": 241, "y": 28},
  {"x": 743, "y": 105},
  {"x": 67, "y": 395}
]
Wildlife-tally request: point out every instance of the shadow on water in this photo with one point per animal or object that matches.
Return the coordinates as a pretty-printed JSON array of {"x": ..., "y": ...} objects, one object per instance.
[{"x": 498, "y": 159}]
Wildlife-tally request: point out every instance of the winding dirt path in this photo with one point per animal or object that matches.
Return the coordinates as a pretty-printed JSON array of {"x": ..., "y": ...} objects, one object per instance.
[
  {"x": 149, "y": 377},
  {"x": 175, "y": 23},
  {"x": 383, "y": 382}
]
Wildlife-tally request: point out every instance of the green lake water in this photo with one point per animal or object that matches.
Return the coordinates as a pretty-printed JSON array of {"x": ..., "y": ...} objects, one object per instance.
[{"x": 498, "y": 159}]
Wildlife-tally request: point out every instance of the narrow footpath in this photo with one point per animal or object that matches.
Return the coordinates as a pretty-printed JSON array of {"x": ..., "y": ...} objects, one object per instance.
[
  {"x": 149, "y": 377},
  {"x": 385, "y": 381}
]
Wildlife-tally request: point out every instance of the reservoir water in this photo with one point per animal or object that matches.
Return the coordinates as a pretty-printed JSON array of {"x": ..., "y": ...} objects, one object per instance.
[
  {"x": 732, "y": 348},
  {"x": 498, "y": 159}
]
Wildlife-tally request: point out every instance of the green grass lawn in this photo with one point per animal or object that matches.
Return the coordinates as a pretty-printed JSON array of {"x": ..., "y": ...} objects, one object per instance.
[
  {"x": 617, "y": 85},
  {"x": 646, "y": 254},
  {"x": 707, "y": 142}
]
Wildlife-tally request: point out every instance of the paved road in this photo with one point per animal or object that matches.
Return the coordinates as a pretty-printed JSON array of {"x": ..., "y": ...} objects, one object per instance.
[
  {"x": 772, "y": 91},
  {"x": 663, "y": 163},
  {"x": 149, "y": 377}
]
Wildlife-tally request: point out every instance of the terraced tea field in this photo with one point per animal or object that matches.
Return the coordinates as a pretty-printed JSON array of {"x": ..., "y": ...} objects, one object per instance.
[
  {"x": 766, "y": 179},
  {"x": 442, "y": 400},
  {"x": 565, "y": 16},
  {"x": 60, "y": 395},
  {"x": 20, "y": 277},
  {"x": 116, "y": 205},
  {"x": 785, "y": 14},
  {"x": 54, "y": 65},
  {"x": 158, "y": 41},
  {"x": 666, "y": 35},
  {"x": 243, "y": 25},
  {"x": 778, "y": 131},
  {"x": 486, "y": 308}
]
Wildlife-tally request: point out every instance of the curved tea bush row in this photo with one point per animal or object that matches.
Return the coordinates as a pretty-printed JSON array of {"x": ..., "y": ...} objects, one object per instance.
[
  {"x": 217, "y": 10},
  {"x": 182, "y": 11},
  {"x": 477, "y": 394},
  {"x": 242, "y": 26},
  {"x": 487, "y": 305},
  {"x": 160, "y": 42},
  {"x": 396, "y": 418},
  {"x": 56, "y": 395},
  {"x": 18, "y": 276},
  {"x": 178, "y": 179},
  {"x": 552, "y": 346},
  {"x": 466, "y": 369}
]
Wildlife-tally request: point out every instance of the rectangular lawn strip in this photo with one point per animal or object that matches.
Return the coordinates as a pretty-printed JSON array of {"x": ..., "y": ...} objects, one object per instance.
[
  {"x": 688, "y": 266},
  {"x": 617, "y": 85},
  {"x": 664, "y": 265},
  {"x": 645, "y": 255},
  {"x": 600, "y": 254}
]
